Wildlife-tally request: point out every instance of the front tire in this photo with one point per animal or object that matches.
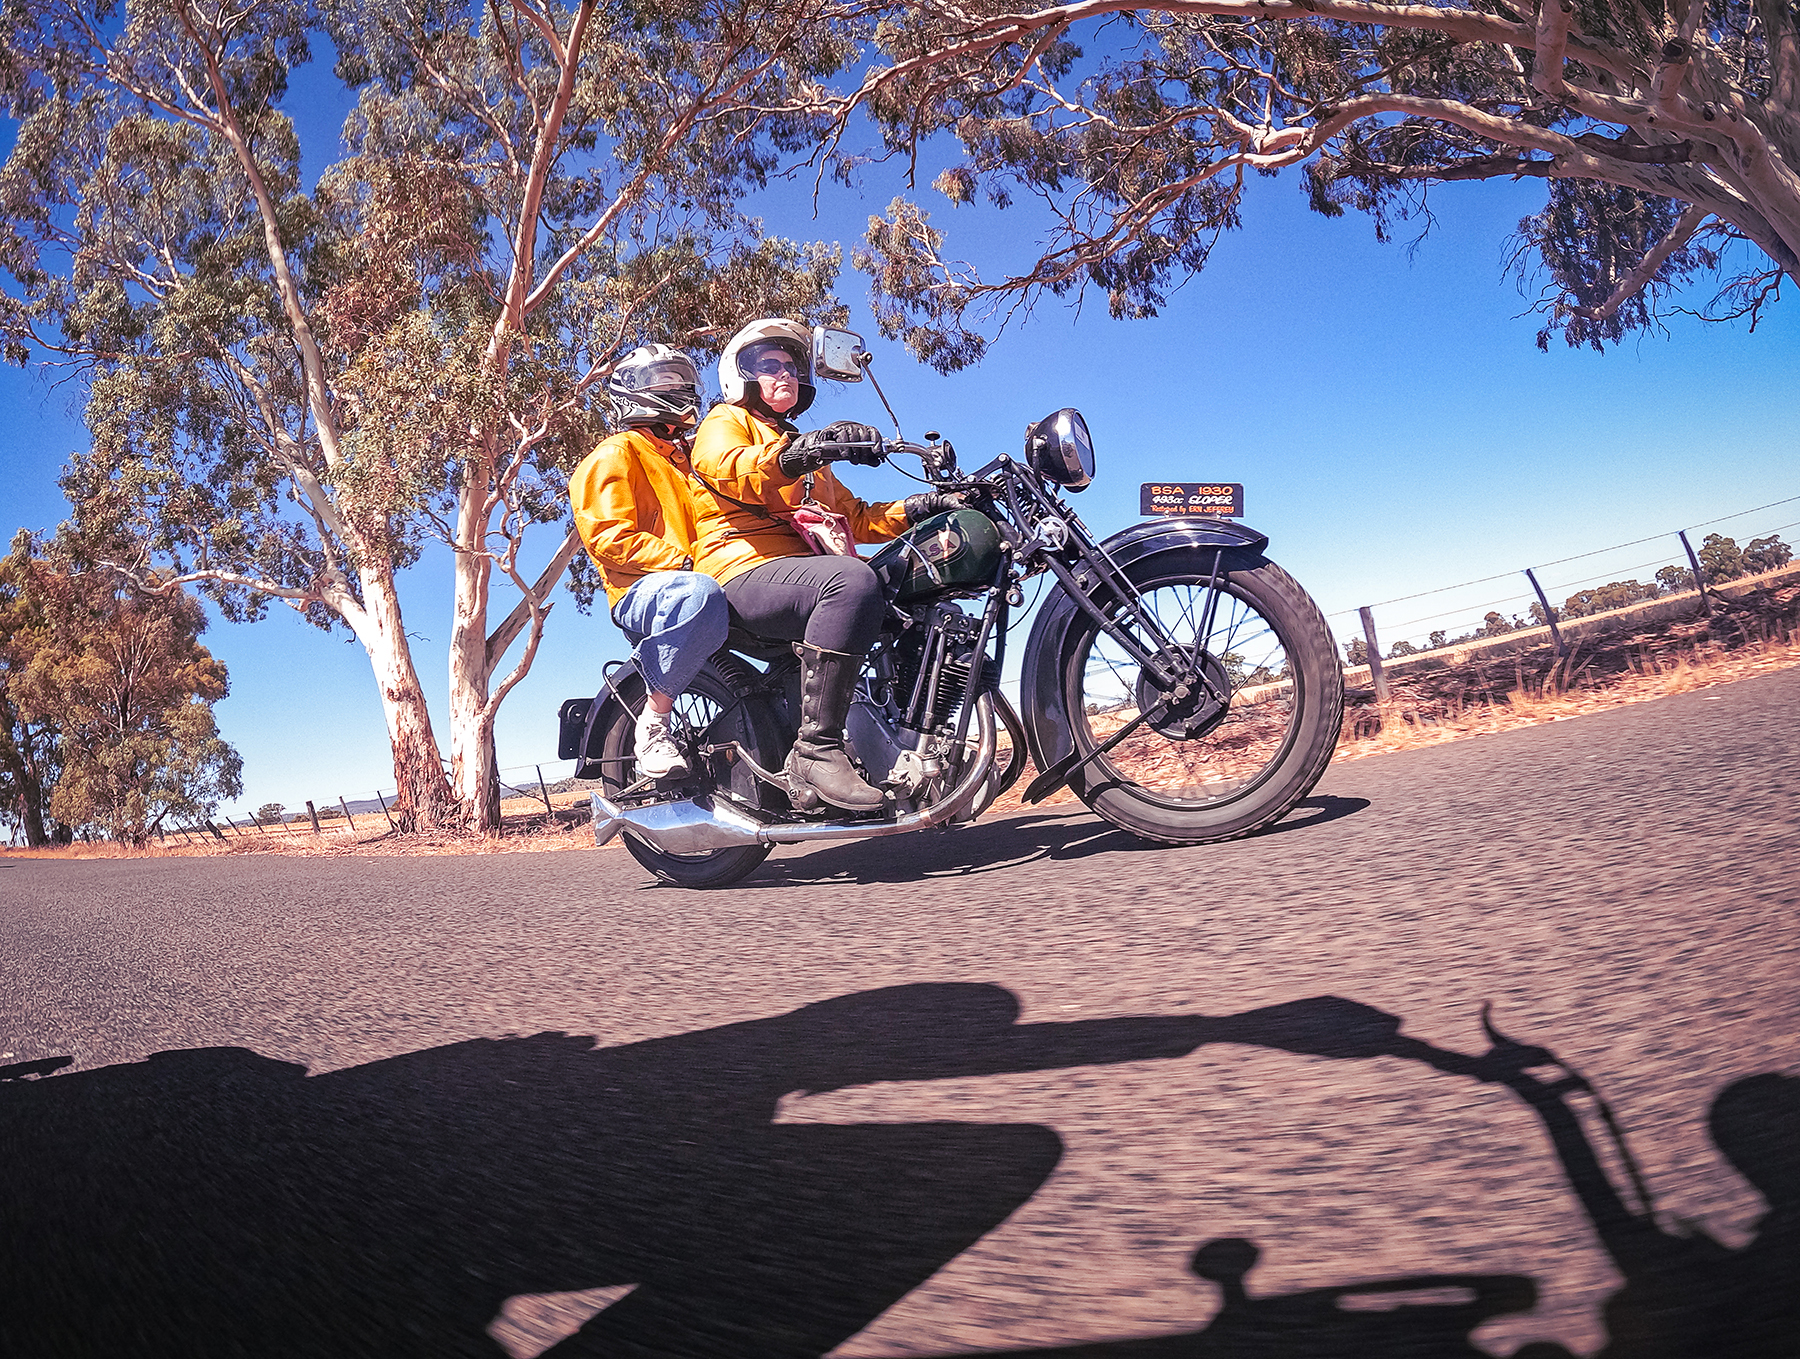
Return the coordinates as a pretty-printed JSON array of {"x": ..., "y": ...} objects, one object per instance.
[
  {"x": 722, "y": 704},
  {"x": 1203, "y": 771}
]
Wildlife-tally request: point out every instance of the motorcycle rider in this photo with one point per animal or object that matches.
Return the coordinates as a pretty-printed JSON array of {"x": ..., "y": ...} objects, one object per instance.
[
  {"x": 635, "y": 515},
  {"x": 755, "y": 469}
]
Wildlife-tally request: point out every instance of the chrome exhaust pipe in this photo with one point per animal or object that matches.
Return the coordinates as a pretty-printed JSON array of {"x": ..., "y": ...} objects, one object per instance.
[
  {"x": 953, "y": 802},
  {"x": 694, "y": 825},
  {"x": 686, "y": 827}
]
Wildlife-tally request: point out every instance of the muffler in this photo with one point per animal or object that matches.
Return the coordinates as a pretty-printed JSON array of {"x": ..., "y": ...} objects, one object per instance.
[
  {"x": 685, "y": 827},
  {"x": 694, "y": 825}
]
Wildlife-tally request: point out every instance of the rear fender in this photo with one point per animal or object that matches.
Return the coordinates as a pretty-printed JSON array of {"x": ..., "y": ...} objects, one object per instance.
[
  {"x": 1046, "y": 716},
  {"x": 623, "y": 698},
  {"x": 586, "y": 720}
]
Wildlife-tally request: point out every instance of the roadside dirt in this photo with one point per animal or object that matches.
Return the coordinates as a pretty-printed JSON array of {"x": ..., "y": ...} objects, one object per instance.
[{"x": 1503, "y": 690}]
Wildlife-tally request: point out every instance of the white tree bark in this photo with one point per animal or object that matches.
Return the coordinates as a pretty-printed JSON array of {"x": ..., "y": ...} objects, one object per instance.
[
  {"x": 423, "y": 800},
  {"x": 423, "y": 793}
]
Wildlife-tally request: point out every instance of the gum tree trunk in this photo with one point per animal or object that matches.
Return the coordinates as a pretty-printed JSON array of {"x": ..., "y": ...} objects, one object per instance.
[
  {"x": 473, "y": 772},
  {"x": 423, "y": 801}
]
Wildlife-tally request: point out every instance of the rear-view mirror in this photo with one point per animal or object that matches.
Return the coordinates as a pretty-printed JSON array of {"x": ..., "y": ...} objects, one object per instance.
[{"x": 837, "y": 354}]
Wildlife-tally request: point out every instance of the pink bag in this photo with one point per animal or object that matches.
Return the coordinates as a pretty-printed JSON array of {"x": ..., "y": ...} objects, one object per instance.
[{"x": 826, "y": 532}]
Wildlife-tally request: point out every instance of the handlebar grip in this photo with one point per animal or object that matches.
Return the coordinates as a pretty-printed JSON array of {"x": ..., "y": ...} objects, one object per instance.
[{"x": 862, "y": 452}]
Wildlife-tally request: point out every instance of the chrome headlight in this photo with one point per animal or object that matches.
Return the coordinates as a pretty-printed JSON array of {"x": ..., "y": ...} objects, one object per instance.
[{"x": 1060, "y": 449}]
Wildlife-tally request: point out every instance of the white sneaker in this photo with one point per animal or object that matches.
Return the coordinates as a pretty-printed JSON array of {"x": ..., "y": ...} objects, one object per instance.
[{"x": 657, "y": 754}]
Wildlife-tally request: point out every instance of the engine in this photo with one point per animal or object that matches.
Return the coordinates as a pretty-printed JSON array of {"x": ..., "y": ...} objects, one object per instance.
[
  {"x": 932, "y": 666},
  {"x": 898, "y": 733}
]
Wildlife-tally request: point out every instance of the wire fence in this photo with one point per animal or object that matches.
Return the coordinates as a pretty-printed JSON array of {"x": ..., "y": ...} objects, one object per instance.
[
  {"x": 1472, "y": 611},
  {"x": 541, "y": 787},
  {"x": 1587, "y": 584}
]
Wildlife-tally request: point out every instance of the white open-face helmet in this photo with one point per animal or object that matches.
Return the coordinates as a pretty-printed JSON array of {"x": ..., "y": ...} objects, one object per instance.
[
  {"x": 737, "y": 379},
  {"x": 655, "y": 384}
]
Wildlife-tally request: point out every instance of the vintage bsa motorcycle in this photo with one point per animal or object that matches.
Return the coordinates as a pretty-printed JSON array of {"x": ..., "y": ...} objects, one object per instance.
[{"x": 1179, "y": 682}]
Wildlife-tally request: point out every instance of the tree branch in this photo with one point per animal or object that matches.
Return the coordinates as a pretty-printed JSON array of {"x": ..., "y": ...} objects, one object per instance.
[
  {"x": 312, "y": 362},
  {"x": 544, "y": 156},
  {"x": 503, "y": 636},
  {"x": 1641, "y": 277},
  {"x": 1551, "y": 45}
]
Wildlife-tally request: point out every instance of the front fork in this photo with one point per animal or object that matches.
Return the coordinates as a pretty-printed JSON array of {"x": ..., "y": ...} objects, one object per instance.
[
  {"x": 1103, "y": 571},
  {"x": 1082, "y": 566}
]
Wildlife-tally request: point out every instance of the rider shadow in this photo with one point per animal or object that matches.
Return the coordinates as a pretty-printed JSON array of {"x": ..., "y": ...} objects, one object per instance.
[
  {"x": 1008, "y": 842},
  {"x": 1425, "y": 1316},
  {"x": 214, "y": 1201}
]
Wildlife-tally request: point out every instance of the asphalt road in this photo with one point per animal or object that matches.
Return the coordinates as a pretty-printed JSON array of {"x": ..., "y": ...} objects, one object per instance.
[{"x": 984, "y": 1090}]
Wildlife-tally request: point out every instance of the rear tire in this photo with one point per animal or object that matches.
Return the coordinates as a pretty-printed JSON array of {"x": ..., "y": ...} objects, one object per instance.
[
  {"x": 1202, "y": 773},
  {"x": 722, "y": 704}
]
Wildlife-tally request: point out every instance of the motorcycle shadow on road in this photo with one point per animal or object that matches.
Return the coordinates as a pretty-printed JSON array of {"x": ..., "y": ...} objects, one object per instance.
[
  {"x": 1426, "y": 1316},
  {"x": 218, "y": 1202},
  {"x": 1685, "y": 1295},
  {"x": 993, "y": 846}
]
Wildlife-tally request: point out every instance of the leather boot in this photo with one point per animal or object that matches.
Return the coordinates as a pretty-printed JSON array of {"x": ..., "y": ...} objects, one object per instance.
[{"x": 819, "y": 769}]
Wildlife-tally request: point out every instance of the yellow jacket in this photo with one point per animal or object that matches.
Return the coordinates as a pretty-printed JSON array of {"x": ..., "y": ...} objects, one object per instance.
[
  {"x": 734, "y": 454},
  {"x": 633, "y": 508}
]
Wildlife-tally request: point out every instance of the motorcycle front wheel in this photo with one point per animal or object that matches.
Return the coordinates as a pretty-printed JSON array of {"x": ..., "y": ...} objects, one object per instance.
[
  {"x": 1200, "y": 770},
  {"x": 719, "y": 707}
]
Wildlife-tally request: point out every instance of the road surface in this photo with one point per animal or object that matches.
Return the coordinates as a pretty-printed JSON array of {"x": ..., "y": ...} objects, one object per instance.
[{"x": 980, "y": 1090}]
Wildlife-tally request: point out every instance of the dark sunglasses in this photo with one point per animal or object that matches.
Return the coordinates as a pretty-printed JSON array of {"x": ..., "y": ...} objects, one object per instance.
[{"x": 773, "y": 367}]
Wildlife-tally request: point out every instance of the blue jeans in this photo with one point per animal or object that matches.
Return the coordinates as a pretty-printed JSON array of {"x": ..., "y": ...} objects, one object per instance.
[{"x": 676, "y": 620}]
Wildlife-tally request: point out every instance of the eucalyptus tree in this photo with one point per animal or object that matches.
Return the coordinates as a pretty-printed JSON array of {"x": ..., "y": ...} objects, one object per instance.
[
  {"x": 295, "y": 395},
  {"x": 30, "y": 746},
  {"x": 119, "y": 680},
  {"x": 1668, "y": 134}
]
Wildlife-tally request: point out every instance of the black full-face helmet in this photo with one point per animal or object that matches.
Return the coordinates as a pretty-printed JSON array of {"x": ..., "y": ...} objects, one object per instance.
[{"x": 655, "y": 384}]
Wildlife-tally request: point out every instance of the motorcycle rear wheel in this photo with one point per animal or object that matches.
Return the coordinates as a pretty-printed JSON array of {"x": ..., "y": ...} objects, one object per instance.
[
  {"x": 1201, "y": 773},
  {"x": 718, "y": 706}
]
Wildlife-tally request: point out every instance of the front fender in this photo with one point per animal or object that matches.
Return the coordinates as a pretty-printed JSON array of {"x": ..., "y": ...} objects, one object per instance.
[
  {"x": 1159, "y": 535},
  {"x": 1040, "y": 676}
]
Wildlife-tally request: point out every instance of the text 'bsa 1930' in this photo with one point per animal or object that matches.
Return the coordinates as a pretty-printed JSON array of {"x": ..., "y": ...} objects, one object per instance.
[{"x": 1221, "y": 499}]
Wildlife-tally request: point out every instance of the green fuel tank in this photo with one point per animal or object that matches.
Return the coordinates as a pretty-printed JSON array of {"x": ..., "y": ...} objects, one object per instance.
[{"x": 958, "y": 550}]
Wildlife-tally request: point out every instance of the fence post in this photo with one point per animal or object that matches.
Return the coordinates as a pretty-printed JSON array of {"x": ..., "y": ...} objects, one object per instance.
[
  {"x": 217, "y": 833},
  {"x": 384, "y": 811},
  {"x": 1549, "y": 613},
  {"x": 1375, "y": 672},
  {"x": 346, "y": 811},
  {"x": 315, "y": 817},
  {"x": 545, "y": 792},
  {"x": 1699, "y": 575}
]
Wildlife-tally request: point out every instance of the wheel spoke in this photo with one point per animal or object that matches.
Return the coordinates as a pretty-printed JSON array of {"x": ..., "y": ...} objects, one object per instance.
[{"x": 1173, "y": 764}]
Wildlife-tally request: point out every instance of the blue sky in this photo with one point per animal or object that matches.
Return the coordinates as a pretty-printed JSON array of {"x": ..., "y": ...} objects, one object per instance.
[{"x": 1393, "y": 422}]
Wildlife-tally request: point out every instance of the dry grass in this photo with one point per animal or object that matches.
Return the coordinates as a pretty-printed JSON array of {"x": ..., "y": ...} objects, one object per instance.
[
  {"x": 1529, "y": 684},
  {"x": 1406, "y": 722},
  {"x": 525, "y": 828},
  {"x": 1494, "y": 693}
]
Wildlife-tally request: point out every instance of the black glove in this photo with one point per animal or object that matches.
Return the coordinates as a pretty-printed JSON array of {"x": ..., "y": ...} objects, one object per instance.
[
  {"x": 835, "y": 443},
  {"x": 862, "y": 442},
  {"x": 928, "y": 503}
]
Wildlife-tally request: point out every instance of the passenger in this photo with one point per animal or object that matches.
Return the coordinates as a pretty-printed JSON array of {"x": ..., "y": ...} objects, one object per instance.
[
  {"x": 755, "y": 470},
  {"x": 635, "y": 514}
]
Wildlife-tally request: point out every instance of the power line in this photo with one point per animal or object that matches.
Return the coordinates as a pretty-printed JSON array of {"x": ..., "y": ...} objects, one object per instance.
[
  {"x": 1484, "y": 580},
  {"x": 1741, "y": 513}
]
